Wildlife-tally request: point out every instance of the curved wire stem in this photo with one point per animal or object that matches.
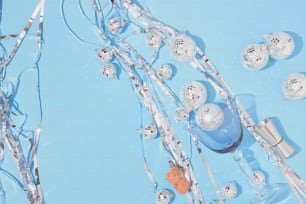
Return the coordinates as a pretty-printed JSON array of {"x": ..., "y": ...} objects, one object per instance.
[{"x": 72, "y": 32}]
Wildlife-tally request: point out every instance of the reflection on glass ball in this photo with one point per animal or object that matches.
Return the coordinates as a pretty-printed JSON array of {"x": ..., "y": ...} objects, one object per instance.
[
  {"x": 148, "y": 131},
  {"x": 165, "y": 71},
  {"x": 209, "y": 117},
  {"x": 255, "y": 56},
  {"x": 109, "y": 71},
  {"x": 154, "y": 41},
  {"x": 281, "y": 45},
  {"x": 181, "y": 115},
  {"x": 183, "y": 48},
  {"x": 163, "y": 196},
  {"x": 105, "y": 54},
  {"x": 294, "y": 86},
  {"x": 193, "y": 95}
]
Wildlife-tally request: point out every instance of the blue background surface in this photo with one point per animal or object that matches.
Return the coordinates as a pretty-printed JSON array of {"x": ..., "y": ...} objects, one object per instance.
[{"x": 90, "y": 151}]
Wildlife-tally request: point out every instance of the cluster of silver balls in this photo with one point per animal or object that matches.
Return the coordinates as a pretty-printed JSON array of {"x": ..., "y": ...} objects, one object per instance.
[{"x": 278, "y": 46}]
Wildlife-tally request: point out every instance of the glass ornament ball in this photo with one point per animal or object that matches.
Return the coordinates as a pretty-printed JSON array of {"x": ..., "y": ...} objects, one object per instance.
[
  {"x": 294, "y": 86},
  {"x": 230, "y": 190},
  {"x": 183, "y": 48},
  {"x": 149, "y": 131},
  {"x": 163, "y": 196},
  {"x": 154, "y": 41},
  {"x": 280, "y": 45},
  {"x": 255, "y": 56},
  {"x": 165, "y": 71},
  {"x": 105, "y": 54},
  {"x": 193, "y": 95},
  {"x": 109, "y": 71},
  {"x": 181, "y": 115},
  {"x": 209, "y": 117}
]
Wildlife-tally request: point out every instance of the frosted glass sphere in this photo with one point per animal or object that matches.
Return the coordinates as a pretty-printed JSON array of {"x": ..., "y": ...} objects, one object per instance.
[
  {"x": 183, "y": 48},
  {"x": 149, "y": 131},
  {"x": 105, "y": 54},
  {"x": 181, "y": 115},
  {"x": 193, "y": 95},
  {"x": 209, "y": 117},
  {"x": 163, "y": 196},
  {"x": 294, "y": 86},
  {"x": 154, "y": 41},
  {"x": 281, "y": 45},
  {"x": 165, "y": 71},
  {"x": 115, "y": 25},
  {"x": 230, "y": 190},
  {"x": 255, "y": 56},
  {"x": 109, "y": 71}
]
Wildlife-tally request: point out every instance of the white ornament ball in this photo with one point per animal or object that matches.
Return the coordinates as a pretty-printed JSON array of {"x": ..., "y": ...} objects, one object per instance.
[
  {"x": 163, "y": 196},
  {"x": 294, "y": 86},
  {"x": 165, "y": 71},
  {"x": 230, "y": 190},
  {"x": 209, "y": 117},
  {"x": 105, "y": 54},
  {"x": 281, "y": 45},
  {"x": 183, "y": 48},
  {"x": 193, "y": 95},
  {"x": 181, "y": 115},
  {"x": 255, "y": 56},
  {"x": 154, "y": 41},
  {"x": 109, "y": 71},
  {"x": 149, "y": 131}
]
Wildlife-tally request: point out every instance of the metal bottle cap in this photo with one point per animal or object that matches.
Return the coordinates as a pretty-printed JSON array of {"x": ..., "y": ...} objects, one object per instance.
[{"x": 268, "y": 130}]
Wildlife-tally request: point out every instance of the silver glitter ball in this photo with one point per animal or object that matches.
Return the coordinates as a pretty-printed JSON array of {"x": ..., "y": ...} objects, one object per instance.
[
  {"x": 193, "y": 95},
  {"x": 281, "y": 45},
  {"x": 116, "y": 25},
  {"x": 181, "y": 115},
  {"x": 230, "y": 190},
  {"x": 109, "y": 71},
  {"x": 163, "y": 196},
  {"x": 154, "y": 41},
  {"x": 294, "y": 86},
  {"x": 165, "y": 71},
  {"x": 209, "y": 117},
  {"x": 105, "y": 54},
  {"x": 183, "y": 48},
  {"x": 148, "y": 131},
  {"x": 255, "y": 56}
]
